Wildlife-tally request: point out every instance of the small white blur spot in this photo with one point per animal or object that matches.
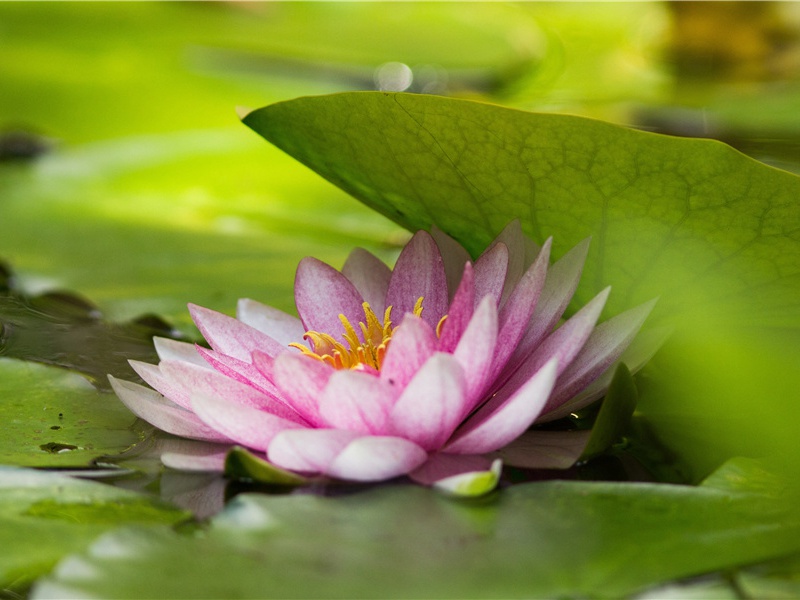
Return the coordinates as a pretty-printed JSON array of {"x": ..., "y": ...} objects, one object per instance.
[{"x": 393, "y": 77}]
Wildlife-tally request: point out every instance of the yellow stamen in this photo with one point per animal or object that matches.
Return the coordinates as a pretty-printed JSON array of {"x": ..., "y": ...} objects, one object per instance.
[{"x": 356, "y": 354}]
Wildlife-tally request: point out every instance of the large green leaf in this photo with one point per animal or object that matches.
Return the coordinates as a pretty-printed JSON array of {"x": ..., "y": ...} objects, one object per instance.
[
  {"x": 44, "y": 516},
  {"x": 555, "y": 539},
  {"x": 687, "y": 220}
]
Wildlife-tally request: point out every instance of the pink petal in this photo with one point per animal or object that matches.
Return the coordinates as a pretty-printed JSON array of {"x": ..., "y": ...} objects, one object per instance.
[
  {"x": 172, "y": 349},
  {"x": 497, "y": 423},
  {"x": 432, "y": 406},
  {"x": 308, "y": 450},
  {"x": 157, "y": 410},
  {"x": 515, "y": 242},
  {"x": 560, "y": 284},
  {"x": 241, "y": 371},
  {"x": 607, "y": 342},
  {"x": 168, "y": 388},
  {"x": 197, "y": 380},
  {"x": 476, "y": 351},
  {"x": 441, "y": 466},
  {"x": 419, "y": 272},
  {"x": 454, "y": 258},
  {"x": 636, "y": 355},
  {"x": 230, "y": 336},
  {"x": 563, "y": 344},
  {"x": 301, "y": 380},
  {"x": 515, "y": 315},
  {"x": 376, "y": 458},
  {"x": 322, "y": 293},
  {"x": 280, "y": 326},
  {"x": 413, "y": 343},
  {"x": 460, "y": 311},
  {"x": 357, "y": 401},
  {"x": 370, "y": 276},
  {"x": 246, "y": 425},
  {"x": 545, "y": 449},
  {"x": 490, "y": 273}
]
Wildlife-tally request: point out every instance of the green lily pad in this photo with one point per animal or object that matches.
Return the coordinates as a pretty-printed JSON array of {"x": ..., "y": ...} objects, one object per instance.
[
  {"x": 554, "y": 539},
  {"x": 54, "y": 418},
  {"x": 44, "y": 516}
]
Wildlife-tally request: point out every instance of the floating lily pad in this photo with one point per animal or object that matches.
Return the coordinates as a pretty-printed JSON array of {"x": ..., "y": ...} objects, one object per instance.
[
  {"x": 555, "y": 539},
  {"x": 44, "y": 516},
  {"x": 54, "y": 418}
]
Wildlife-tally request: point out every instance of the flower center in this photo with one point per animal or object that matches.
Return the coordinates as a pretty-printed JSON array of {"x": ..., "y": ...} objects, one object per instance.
[{"x": 355, "y": 353}]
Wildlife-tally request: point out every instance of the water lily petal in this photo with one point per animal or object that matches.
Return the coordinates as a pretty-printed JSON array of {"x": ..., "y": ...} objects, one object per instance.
[
  {"x": 376, "y": 458},
  {"x": 357, "y": 401},
  {"x": 244, "y": 424},
  {"x": 563, "y": 344},
  {"x": 300, "y": 378},
  {"x": 241, "y": 371},
  {"x": 197, "y": 380},
  {"x": 167, "y": 387},
  {"x": 545, "y": 449},
  {"x": 419, "y": 271},
  {"x": 322, "y": 293},
  {"x": 460, "y": 312},
  {"x": 280, "y": 326},
  {"x": 413, "y": 343},
  {"x": 432, "y": 405},
  {"x": 230, "y": 336},
  {"x": 454, "y": 257},
  {"x": 636, "y": 355},
  {"x": 515, "y": 314},
  {"x": 476, "y": 350},
  {"x": 167, "y": 416},
  {"x": 496, "y": 424},
  {"x": 607, "y": 342},
  {"x": 370, "y": 276},
  {"x": 308, "y": 450},
  {"x": 173, "y": 349},
  {"x": 490, "y": 273},
  {"x": 515, "y": 242},
  {"x": 560, "y": 284}
]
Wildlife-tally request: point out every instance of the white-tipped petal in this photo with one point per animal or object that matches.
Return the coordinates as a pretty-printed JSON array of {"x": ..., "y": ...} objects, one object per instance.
[
  {"x": 357, "y": 401},
  {"x": 476, "y": 350},
  {"x": 168, "y": 349},
  {"x": 167, "y": 416},
  {"x": 433, "y": 404},
  {"x": 230, "y": 336},
  {"x": 376, "y": 458},
  {"x": 308, "y": 450},
  {"x": 496, "y": 424},
  {"x": 280, "y": 326},
  {"x": 246, "y": 425}
]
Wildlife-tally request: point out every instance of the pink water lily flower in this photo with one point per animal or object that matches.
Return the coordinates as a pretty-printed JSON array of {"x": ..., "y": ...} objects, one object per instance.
[{"x": 432, "y": 369}]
